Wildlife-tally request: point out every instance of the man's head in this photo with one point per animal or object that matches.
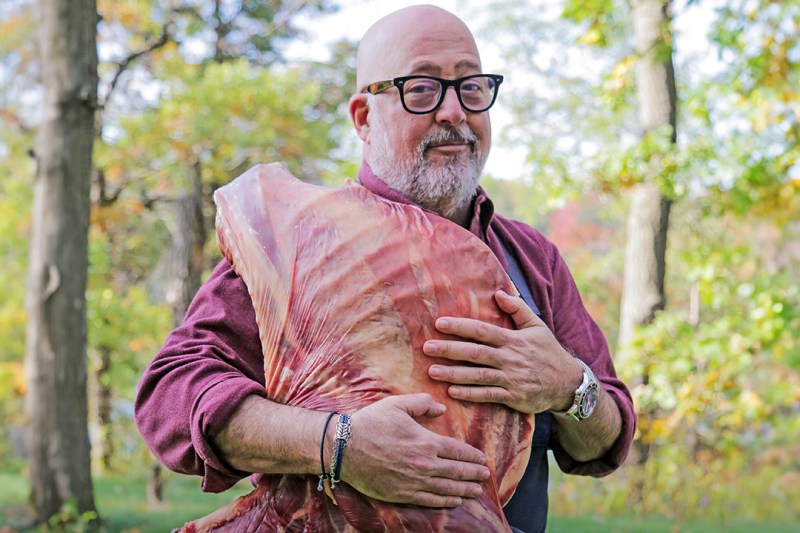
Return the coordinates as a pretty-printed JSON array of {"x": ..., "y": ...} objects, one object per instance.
[{"x": 433, "y": 158}]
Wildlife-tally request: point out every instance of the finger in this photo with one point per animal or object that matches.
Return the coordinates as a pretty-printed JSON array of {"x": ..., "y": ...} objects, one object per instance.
[
  {"x": 429, "y": 499},
  {"x": 470, "y": 328},
  {"x": 448, "y": 487},
  {"x": 450, "y": 448},
  {"x": 523, "y": 316},
  {"x": 467, "y": 375},
  {"x": 480, "y": 394},
  {"x": 418, "y": 405},
  {"x": 470, "y": 352},
  {"x": 459, "y": 471}
]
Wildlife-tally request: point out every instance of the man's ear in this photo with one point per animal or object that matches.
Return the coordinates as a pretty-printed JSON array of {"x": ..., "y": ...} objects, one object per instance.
[{"x": 359, "y": 111}]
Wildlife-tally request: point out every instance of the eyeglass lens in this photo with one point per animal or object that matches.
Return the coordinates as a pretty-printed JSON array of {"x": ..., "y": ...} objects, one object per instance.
[{"x": 424, "y": 94}]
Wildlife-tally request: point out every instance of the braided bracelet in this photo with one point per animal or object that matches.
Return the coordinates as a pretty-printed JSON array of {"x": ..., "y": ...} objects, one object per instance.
[
  {"x": 324, "y": 475},
  {"x": 343, "y": 432}
]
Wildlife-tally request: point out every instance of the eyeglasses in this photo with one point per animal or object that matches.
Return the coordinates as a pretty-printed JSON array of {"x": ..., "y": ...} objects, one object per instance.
[{"x": 423, "y": 94}]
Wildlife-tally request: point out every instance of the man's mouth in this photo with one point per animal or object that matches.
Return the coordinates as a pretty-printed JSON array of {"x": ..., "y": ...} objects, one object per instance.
[{"x": 451, "y": 145}]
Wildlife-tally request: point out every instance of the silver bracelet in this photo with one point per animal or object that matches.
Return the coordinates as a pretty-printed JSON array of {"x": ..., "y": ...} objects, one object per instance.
[{"x": 344, "y": 430}]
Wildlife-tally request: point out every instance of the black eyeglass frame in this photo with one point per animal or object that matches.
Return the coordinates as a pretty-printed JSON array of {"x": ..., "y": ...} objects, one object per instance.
[{"x": 380, "y": 86}]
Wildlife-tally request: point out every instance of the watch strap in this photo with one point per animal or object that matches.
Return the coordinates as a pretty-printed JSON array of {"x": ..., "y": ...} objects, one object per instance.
[{"x": 589, "y": 382}]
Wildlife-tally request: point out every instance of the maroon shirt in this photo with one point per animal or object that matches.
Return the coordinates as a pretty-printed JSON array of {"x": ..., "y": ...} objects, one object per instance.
[{"x": 210, "y": 363}]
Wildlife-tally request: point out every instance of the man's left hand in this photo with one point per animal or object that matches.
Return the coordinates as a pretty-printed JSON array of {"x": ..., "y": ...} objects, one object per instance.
[{"x": 525, "y": 369}]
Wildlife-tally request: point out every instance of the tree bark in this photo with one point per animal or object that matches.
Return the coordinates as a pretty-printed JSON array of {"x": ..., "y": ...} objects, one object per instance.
[
  {"x": 188, "y": 238},
  {"x": 648, "y": 218},
  {"x": 56, "y": 368}
]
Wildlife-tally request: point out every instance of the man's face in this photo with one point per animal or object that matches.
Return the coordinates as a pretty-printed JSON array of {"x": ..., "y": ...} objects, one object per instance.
[{"x": 434, "y": 159}]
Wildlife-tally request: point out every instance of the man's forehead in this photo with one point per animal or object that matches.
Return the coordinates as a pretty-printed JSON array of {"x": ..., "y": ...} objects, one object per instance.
[
  {"x": 418, "y": 39},
  {"x": 426, "y": 66}
]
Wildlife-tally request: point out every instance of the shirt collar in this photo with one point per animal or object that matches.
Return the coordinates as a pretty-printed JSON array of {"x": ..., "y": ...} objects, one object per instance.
[{"x": 482, "y": 206}]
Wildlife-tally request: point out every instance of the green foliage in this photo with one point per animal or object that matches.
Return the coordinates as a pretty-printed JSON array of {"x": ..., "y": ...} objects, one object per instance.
[
  {"x": 69, "y": 518},
  {"x": 227, "y": 117},
  {"x": 189, "y": 88}
]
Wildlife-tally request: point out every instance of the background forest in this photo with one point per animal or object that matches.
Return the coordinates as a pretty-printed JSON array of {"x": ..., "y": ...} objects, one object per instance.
[{"x": 193, "y": 92}]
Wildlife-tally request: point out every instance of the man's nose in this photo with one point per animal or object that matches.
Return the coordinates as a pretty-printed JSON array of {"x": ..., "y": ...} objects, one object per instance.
[{"x": 450, "y": 111}]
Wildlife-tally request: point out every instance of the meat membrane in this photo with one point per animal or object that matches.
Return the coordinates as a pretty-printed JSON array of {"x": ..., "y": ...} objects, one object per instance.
[{"x": 346, "y": 286}]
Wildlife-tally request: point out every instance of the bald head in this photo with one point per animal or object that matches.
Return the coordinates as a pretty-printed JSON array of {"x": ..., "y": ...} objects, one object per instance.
[{"x": 407, "y": 39}]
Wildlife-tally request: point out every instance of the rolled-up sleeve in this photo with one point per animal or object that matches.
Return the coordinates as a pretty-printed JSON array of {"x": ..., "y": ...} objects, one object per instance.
[
  {"x": 581, "y": 336},
  {"x": 562, "y": 308},
  {"x": 204, "y": 370}
]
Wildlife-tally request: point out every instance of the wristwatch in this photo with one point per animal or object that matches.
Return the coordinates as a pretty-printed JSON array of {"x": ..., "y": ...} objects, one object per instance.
[{"x": 586, "y": 395}]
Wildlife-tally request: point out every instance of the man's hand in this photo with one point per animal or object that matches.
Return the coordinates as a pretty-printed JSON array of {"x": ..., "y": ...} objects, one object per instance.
[
  {"x": 525, "y": 369},
  {"x": 391, "y": 457}
]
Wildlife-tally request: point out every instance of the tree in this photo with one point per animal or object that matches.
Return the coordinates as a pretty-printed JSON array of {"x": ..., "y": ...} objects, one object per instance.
[
  {"x": 648, "y": 219},
  {"x": 648, "y": 216},
  {"x": 56, "y": 403}
]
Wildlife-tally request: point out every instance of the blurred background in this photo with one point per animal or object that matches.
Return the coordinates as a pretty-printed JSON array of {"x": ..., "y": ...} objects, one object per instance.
[{"x": 656, "y": 143}]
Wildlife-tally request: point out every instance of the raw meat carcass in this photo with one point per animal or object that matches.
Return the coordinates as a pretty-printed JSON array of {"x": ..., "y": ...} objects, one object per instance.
[{"x": 346, "y": 286}]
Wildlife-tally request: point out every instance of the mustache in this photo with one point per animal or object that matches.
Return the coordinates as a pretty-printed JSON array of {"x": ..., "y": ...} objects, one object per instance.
[{"x": 447, "y": 135}]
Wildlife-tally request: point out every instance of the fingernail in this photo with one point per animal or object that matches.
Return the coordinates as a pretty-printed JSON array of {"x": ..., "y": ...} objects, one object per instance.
[
  {"x": 455, "y": 391},
  {"x": 476, "y": 491},
  {"x": 430, "y": 347},
  {"x": 435, "y": 371},
  {"x": 443, "y": 323}
]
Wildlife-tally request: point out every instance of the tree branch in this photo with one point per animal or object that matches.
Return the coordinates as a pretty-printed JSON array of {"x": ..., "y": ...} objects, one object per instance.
[{"x": 123, "y": 65}]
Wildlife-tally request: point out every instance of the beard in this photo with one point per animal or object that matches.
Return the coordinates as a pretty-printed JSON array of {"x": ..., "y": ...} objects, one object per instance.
[{"x": 445, "y": 187}]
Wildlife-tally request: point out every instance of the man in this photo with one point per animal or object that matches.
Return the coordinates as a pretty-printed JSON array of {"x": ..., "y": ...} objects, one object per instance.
[{"x": 421, "y": 110}]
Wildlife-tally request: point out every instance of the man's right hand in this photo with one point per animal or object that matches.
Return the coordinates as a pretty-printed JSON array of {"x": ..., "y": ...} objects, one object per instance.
[{"x": 391, "y": 457}]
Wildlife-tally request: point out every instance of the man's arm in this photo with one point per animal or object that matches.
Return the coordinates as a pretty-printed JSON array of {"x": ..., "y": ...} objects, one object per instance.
[
  {"x": 526, "y": 369},
  {"x": 202, "y": 408},
  {"x": 593, "y": 437},
  {"x": 389, "y": 456},
  {"x": 207, "y": 366}
]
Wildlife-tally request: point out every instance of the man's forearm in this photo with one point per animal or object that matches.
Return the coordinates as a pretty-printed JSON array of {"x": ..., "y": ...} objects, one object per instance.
[
  {"x": 390, "y": 456},
  {"x": 267, "y": 437},
  {"x": 591, "y": 438}
]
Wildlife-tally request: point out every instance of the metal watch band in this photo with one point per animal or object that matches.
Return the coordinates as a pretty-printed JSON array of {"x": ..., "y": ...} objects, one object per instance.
[{"x": 585, "y": 395}]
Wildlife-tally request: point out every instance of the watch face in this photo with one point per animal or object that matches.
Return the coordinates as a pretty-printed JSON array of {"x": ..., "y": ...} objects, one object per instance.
[{"x": 589, "y": 402}]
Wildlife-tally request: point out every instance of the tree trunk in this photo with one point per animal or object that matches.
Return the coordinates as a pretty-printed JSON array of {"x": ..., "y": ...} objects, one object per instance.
[
  {"x": 56, "y": 369},
  {"x": 188, "y": 238},
  {"x": 645, "y": 266},
  {"x": 648, "y": 218}
]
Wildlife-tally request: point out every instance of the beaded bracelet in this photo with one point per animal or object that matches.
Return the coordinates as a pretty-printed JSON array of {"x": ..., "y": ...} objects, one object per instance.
[
  {"x": 343, "y": 433},
  {"x": 324, "y": 475}
]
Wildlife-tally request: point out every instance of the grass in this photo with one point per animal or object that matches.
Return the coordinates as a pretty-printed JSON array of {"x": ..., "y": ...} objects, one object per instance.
[
  {"x": 122, "y": 504},
  {"x": 561, "y": 524}
]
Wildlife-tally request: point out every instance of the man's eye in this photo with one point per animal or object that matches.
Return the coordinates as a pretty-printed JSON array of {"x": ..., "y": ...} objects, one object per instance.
[
  {"x": 471, "y": 86},
  {"x": 422, "y": 87}
]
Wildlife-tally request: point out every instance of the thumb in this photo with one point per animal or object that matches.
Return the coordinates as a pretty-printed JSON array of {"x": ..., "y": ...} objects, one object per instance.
[
  {"x": 419, "y": 405},
  {"x": 523, "y": 316}
]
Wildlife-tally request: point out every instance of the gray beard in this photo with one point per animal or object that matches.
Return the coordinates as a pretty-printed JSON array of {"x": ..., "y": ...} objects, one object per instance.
[{"x": 446, "y": 188}]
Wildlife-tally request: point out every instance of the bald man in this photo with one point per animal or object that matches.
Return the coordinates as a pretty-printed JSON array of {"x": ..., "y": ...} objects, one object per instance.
[{"x": 421, "y": 110}]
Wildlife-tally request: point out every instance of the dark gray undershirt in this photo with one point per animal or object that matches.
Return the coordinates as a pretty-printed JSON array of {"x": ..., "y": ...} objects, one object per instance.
[{"x": 526, "y": 512}]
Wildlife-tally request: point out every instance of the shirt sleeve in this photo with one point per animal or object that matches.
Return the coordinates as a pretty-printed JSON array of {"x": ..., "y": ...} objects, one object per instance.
[
  {"x": 580, "y": 335},
  {"x": 562, "y": 309},
  {"x": 204, "y": 370}
]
